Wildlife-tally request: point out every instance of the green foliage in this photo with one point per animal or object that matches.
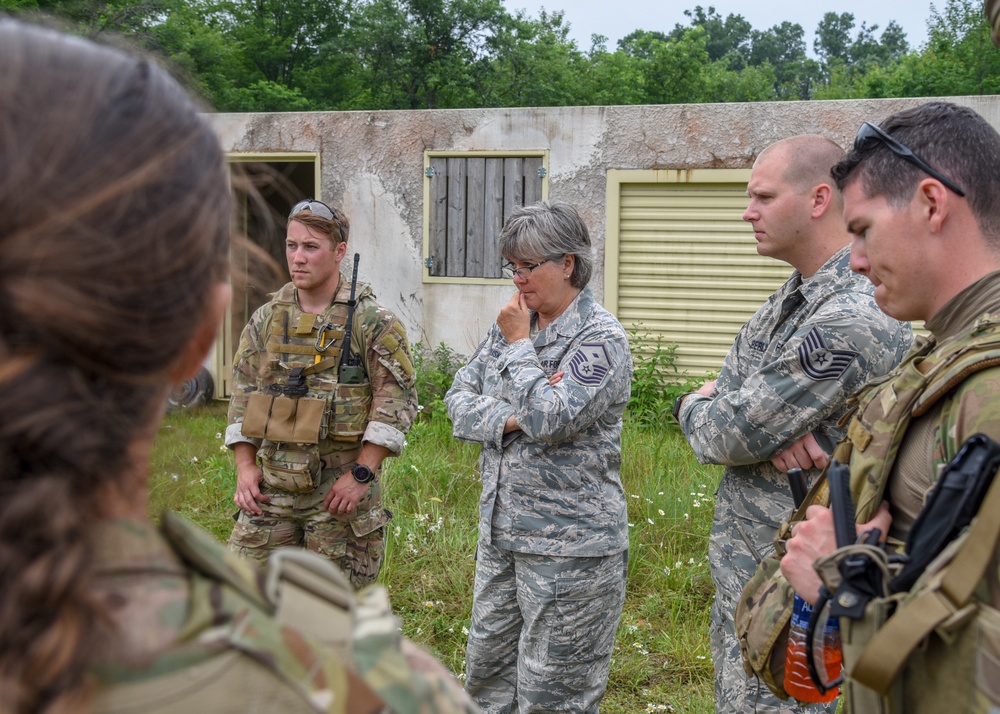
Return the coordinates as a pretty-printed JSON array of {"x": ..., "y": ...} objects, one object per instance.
[
  {"x": 292, "y": 55},
  {"x": 656, "y": 382},
  {"x": 435, "y": 370},
  {"x": 661, "y": 659},
  {"x": 192, "y": 472},
  {"x": 959, "y": 58}
]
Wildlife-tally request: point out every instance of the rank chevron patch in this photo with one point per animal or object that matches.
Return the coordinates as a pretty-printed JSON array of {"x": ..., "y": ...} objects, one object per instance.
[
  {"x": 819, "y": 362},
  {"x": 590, "y": 365}
]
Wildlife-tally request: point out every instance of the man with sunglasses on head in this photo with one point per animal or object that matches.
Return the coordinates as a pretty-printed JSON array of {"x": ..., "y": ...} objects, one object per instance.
[
  {"x": 921, "y": 201},
  {"x": 323, "y": 392},
  {"x": 784, "y": 384}
]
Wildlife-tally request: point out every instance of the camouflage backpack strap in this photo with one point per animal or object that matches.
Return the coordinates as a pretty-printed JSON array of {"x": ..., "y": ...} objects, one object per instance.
[
  {"x": 198, "y": 548},
  {"x": 930, "y": 372}
]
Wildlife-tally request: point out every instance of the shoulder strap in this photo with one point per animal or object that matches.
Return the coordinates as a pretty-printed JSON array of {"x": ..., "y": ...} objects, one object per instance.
[
  {"x": 209, "y": 557},
  {"x": 312, "y": 595},
  {"x": 886, "y": 653}
]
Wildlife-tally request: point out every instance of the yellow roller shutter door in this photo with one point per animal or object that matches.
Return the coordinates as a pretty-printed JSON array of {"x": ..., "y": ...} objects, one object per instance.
[{"x": 683, "y": 263}]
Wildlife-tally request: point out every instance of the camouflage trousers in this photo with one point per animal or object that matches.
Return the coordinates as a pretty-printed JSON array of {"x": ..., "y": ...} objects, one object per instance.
[
  {"x": 732, "y": 564},
  {"x": 543, "y": 630},
  {"x": 356, "y": 544}
]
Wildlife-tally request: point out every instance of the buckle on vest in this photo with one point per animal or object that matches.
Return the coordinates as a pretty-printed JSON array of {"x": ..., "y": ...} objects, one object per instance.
[{"x": 296, "y": 386}]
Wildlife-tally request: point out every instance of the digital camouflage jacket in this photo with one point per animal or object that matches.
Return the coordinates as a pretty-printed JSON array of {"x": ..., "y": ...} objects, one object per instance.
[{"x": 554, "y": 486}]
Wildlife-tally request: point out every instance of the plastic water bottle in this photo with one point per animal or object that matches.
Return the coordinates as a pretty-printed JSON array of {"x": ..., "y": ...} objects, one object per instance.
[{"x": 798, "y": 683}]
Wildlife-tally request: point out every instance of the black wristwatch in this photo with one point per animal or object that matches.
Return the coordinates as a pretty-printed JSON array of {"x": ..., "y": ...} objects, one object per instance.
[
  {"x": 362, "y": 474},
  {"x": 677, "y": 405}
]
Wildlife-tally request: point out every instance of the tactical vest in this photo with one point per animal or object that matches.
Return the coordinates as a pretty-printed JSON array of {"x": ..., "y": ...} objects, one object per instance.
[
  {"x": 930, "y": 373},
  {"x": 884, "y": 411},
  {"x": 307, "y": 405},
  {"x": 877, "y": 428}
]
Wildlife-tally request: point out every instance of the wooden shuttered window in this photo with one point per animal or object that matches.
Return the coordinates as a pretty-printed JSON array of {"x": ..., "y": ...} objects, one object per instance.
[{"x": 468, "y": 197}]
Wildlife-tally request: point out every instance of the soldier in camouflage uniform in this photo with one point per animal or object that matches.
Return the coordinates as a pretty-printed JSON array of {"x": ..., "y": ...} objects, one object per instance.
[
  {"x": 544, "y": 396},
  {"x": 117, "y": 296},
  {"x": 920, "y": 198},
  {"x": 784, "y": 384},
  {"x": 320, "y": 490}
]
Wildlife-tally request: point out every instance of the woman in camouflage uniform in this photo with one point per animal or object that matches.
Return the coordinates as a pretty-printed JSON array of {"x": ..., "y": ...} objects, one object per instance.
[{"x": 114, "y": 239}]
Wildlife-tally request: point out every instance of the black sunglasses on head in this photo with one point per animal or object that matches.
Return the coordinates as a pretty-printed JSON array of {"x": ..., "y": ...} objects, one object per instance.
[{"x": 869, "y": 132}]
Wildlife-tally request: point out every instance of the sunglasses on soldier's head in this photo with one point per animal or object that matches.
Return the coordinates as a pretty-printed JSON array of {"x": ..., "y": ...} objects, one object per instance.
[
  {"x": 315, "y": 207},
  {"x": 869, "y": 132}
]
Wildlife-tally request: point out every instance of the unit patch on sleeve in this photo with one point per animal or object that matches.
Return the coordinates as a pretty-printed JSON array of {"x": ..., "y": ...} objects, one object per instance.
[
  {"x": 819, "y": 362},
  {"x": 590, "y": 364}
]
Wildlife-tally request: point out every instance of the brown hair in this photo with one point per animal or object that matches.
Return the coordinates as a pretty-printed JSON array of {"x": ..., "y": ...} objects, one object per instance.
[
  {"x": 955, "y": 140},
  {"x": 114, "y": 230},
  {"x": 336, "y": 230}
]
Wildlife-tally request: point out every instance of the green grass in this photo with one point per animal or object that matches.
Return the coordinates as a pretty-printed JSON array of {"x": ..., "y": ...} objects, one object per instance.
[{"x": 662, "y": 659}]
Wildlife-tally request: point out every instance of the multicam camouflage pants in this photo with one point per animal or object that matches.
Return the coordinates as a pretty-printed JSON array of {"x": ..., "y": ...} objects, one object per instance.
[
  {"x": 543, "y": 629},
  {"x": 356, "y": 544},
  {"x": 732, "y": 565}
]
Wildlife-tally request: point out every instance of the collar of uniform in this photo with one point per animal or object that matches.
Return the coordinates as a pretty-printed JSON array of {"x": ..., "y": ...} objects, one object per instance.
[
  {"x": 834, "y": 276},
  {"x": 572, "y": 319},
  {"x": 121, "y": 545},
  {"x": 962, "y": 311},
  {"x": 343, "y": 294}
]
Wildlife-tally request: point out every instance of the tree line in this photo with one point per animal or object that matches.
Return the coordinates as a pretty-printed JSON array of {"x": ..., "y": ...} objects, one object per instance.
[{"x": 303, "y": 55}]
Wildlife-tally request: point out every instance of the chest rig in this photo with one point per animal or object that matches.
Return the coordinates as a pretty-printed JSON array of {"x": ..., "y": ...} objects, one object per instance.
[
  {"x": 930, "y": 373},
  {"x": 875, "y": 659},
  {"x": 308, "y": 391}
]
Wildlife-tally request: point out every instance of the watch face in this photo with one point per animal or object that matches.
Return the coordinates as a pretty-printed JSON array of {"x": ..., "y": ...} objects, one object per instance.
[
  {"x": 362, "y": 474},
  {"x": 677, "y": 406}
]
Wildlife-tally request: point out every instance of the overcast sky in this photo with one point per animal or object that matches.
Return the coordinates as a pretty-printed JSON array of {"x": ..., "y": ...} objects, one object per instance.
[{"x": 617, "y": 18}]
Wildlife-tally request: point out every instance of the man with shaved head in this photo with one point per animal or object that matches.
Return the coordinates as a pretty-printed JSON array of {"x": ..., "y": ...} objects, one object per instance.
[{"x": 784, "y": 384}]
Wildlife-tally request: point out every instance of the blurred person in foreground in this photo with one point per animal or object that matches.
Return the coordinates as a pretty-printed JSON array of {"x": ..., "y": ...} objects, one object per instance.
[
  {"x": 544, "y": 396},
  {"x": 784, "y": 385},
  {"x": 115, "y": 219}
]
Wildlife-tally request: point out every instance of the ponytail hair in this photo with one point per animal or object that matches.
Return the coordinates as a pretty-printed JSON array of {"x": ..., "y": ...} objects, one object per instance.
[{"x": 115, "y": 220}]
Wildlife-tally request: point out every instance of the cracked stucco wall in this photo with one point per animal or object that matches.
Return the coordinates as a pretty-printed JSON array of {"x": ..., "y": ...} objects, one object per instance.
[{"x": 372, "y": 168}]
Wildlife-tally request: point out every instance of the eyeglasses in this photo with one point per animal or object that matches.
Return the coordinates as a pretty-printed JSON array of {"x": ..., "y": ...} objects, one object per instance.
[
  {"x": 869, "y": 131},
  {"x": 316, "y": 207},
  {"x": 524, "y": 272}
]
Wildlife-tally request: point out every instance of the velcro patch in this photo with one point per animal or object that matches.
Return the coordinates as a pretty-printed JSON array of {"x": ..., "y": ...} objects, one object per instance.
[
  {"x": 590, "y": 364},
  {"x": 819, "y": 362}
]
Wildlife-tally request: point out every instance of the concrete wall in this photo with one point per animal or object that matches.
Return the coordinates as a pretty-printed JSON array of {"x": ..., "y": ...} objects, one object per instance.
[{"x": 372, "y": 168}]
